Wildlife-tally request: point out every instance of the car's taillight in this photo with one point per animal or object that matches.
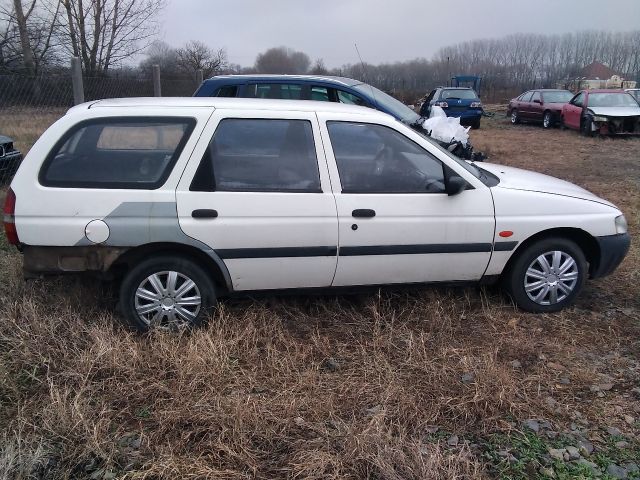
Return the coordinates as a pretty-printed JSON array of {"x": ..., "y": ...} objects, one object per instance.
[
  {"x": 9, "y": 218},
  {"x": 442, "y": 104}
]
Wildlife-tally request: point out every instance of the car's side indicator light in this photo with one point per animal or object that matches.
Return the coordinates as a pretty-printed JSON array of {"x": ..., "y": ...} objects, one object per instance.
[{"x": 505, "y": 233}]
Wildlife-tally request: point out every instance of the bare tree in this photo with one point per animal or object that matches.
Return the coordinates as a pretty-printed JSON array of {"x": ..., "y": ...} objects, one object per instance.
[
  {"x": 282, "y": 60},
  {"x": 28, "y": 36},
  {"x": 196, "y": 55},
  {"x": 162, "y": 54},
  {"x": 318, "y": 68},
  {"x": 104, "y": 32}
]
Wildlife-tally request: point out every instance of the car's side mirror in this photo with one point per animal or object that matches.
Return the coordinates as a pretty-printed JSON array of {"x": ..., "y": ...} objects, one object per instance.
[{"x": 455, "y": 185}]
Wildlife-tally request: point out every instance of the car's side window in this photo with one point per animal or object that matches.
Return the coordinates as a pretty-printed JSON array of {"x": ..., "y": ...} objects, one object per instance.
[
  {"x": 259, "y": 155},
  {"x": 320, "y": 94},
  {"x": 377, "y": 159},
  {"x": 274, "y": 90},
  {"x": 351, "y": 99},
  {"x": 227, "y": 91},
  {"x": 578, "y": 100},
  {"x": 526, "y": 97},
  {"x": 117, "y": 152},
  {"x": 536, "y": 96}
]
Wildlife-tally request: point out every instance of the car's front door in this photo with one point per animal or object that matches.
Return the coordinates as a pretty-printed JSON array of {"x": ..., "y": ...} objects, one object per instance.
[
  {"x": 572, "y": 112},
  {"x": 255, "y": 192},
  {"x": 535, "y": 107},
  {"x": 396, "y": 224}
]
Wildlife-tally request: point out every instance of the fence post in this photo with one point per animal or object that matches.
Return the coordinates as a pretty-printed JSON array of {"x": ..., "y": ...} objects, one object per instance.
[
  {"x": 157, "y": 88},
  {"x": 76, "y": 80},
  {"x": 199, "y": 77}
]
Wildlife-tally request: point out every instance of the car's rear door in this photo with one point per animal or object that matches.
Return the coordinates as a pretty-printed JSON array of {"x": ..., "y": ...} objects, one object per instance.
[
  {"x": 257, "y": 191},
  {"x": 396, "y": 224}
]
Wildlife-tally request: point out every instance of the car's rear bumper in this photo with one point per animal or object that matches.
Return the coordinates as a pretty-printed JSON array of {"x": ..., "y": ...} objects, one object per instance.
[
  {"x": 613, "y": 249},
  {"x": 466, "y": 115}
]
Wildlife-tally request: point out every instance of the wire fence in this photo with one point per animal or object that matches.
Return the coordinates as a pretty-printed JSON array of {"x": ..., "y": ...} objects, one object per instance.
[{"x": 29, "y": 105}]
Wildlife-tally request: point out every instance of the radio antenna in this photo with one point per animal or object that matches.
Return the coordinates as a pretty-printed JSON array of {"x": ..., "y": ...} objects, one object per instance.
[{"x": 364, "y": 72}]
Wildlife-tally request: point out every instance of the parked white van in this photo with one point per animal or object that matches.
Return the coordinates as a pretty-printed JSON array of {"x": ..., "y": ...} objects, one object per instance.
[{"x": 184, "y": 200}]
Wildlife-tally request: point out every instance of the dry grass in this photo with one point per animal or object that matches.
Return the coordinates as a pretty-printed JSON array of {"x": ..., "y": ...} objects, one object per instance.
[{"x": 320, "y": 387}]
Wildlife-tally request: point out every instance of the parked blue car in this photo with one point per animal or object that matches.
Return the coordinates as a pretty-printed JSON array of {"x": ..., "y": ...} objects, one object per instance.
[
  {"x": 308, "y": 87},
  {"x": 456, "y": 102}
]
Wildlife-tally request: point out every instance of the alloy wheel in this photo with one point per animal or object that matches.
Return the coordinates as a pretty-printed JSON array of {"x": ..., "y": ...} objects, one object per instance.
[
  {"x": 167, "y": 298},
  {"x": 551, "y": 277},
  {"x": 514, "y": 116},
  {"x": 546, "y": 121}
]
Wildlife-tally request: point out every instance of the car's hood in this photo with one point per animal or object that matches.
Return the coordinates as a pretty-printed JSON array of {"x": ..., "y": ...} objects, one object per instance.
[
  {"x": 519, "y": 179},
  {"x": 4, "y": 139},
  {"x": 616, "y": 111}
]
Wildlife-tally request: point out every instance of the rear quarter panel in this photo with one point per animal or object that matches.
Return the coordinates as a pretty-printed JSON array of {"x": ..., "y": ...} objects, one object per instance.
[{"x": 53, "y": 216}]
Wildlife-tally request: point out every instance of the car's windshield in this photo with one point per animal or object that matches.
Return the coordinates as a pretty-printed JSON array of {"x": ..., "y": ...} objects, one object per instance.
[
  {"x": 395, "y": 107},
  {"x": 463, "y": 93},
  {"x": 560, "y": 96},
  {"x": 635, "y": 93},
  {"x": 612, "y": 100}
]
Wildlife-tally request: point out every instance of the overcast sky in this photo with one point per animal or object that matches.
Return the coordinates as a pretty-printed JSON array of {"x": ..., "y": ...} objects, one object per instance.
[{"x": 385, "y": 30}]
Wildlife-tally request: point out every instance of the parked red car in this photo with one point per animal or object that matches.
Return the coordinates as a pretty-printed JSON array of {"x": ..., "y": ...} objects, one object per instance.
[
  {"x": 543, "y": 105},
  {"x": 607, "y": 112}
]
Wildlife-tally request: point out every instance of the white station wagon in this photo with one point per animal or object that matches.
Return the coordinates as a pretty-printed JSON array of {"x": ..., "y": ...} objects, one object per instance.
[{"x": 185, "y": 200}]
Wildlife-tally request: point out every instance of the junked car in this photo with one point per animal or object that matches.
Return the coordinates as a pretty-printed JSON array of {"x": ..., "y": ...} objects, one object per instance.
[
  {"x": 10, "y": 159},
  {"x": 186, "y": 200},
  {"x": 604, "y": 112},
  {"x": 635, "y": 92},
  {"x": 461, "y": 102},
  {"x": 542, "y": 106}
]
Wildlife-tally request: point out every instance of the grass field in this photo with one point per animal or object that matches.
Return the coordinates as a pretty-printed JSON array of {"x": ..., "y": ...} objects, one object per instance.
[{"x": 426, "y": 383}]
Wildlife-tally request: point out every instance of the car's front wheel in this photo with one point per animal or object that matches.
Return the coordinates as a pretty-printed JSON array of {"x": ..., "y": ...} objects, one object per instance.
[
  {"x": 586, "y": 127},
  {"x": 547, "y": 275},
  {"x": 166, "y": 292},
  {"x": 515, "y": 118},
  {"x": 547, "y": 120}
]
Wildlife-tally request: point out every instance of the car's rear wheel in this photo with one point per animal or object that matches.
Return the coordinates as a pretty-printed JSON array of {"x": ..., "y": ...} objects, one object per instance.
[
  {"x": 515, "y": 118},
  {"x": 547, "y": 119},
  {"x": 166, "y": 292},
  {"x": 547, "y": 275}
]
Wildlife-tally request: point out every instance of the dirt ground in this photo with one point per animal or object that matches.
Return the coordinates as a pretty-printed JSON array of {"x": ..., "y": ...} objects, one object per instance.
[{"x": 425, "y": 383}]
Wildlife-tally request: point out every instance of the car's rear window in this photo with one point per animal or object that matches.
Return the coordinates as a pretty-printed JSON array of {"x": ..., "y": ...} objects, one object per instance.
[
  {"x": 117, "y": 153},
  {"x": 458, "y": 93}
]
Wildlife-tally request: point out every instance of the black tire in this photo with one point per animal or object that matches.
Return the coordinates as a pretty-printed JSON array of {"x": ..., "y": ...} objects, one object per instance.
[
  {"x": 185, "y": 269},
  {"x": 547, "y": 119},
  {"x": 515, "y": 278},
  {"x": 515, "y": 117},
  {"x": 475, "y": 124},
  {"x": 585, "y": 127},
  {"x": 562, "y": 124}
]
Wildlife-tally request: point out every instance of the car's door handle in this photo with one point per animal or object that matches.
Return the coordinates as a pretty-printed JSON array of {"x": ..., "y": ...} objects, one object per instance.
[
  {"x": 363, "y": 213},
  {"x": 204, "y": 213}
]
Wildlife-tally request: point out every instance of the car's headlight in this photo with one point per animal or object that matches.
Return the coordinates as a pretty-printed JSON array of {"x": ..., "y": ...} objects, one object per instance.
[
  {"x": 621, "y": 224},
  {"x": 600, "y": 119}
]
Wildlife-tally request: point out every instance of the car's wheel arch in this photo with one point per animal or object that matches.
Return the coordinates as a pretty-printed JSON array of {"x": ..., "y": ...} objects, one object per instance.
[
  {"x": 210, "y": 262},
  {"x": 587, "y": 243}
]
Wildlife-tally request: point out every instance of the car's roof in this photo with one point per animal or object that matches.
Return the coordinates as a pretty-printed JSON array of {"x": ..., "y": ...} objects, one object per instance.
[
  {"x": 231, "y": 103},
  {"x": 604, "y": 90},
  {"x": 457, "y": 88},
  {"x": 325, "y": 78}
]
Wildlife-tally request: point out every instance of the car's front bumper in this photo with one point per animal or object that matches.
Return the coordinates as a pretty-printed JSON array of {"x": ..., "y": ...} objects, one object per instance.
[
  {"x": 10, "y": 162},
  {"x": 613, "y": 249}
]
